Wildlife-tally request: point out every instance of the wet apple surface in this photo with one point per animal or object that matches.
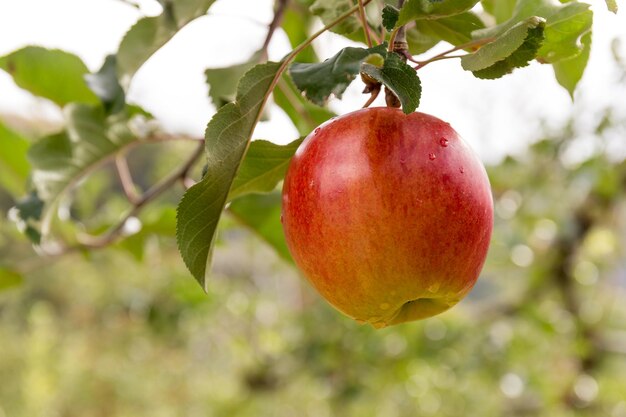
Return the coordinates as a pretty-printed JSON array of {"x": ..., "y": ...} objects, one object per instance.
[{"x": 388, "y": 215}]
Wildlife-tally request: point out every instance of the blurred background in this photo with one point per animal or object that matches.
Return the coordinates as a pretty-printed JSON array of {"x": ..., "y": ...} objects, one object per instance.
[{"x": 126, "y": 330}]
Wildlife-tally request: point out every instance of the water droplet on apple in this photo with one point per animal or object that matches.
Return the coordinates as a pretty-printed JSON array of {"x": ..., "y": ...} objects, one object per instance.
[
  {"x": 384, "y": 306},
  {"x": 403, "y": 161},
  {"x": 434, "y": 287},
  {"x": 443, "y": 142},
  {"x": 462, "y": 170},
  {"x": 432, "y": 156},
  {"x": 316, "y": 131},
  {"x": 311, "y": 184}
]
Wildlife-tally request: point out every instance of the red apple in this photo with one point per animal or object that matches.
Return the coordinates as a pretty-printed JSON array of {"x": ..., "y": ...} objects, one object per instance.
[{"x": 388, "y": 215}]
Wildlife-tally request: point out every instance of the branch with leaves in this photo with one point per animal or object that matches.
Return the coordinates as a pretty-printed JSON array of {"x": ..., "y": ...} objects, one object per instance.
[{"x": 98, "y": 117}]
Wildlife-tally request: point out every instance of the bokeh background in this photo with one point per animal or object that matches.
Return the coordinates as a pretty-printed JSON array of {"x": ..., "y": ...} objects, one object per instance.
[{"x": 126, "y": 331}]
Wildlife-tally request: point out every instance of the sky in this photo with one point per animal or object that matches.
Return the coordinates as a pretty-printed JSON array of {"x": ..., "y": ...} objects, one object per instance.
[{"x": 496, "y": 117}]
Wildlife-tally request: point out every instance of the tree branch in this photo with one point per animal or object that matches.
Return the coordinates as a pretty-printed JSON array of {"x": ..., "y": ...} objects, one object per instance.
[
  {"x": 126, "y": 179},
  {"x": 279, "y": 11},
  {"x": 109, "y": 237},
  {"x": 445, "y": 55},
  {"x": 366, "y": 27}
]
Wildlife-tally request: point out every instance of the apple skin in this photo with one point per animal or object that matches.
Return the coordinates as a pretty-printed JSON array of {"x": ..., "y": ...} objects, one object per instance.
[{"x": 389, "y": 216}]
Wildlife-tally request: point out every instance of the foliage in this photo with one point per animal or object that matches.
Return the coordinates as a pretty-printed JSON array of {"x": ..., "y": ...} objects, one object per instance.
[{"x": 101, "y": 126}]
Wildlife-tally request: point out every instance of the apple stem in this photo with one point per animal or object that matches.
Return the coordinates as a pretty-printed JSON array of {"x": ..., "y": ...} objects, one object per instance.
[
  {"x": 391, "y": 99},
  {"x": 373, "y": 94}
]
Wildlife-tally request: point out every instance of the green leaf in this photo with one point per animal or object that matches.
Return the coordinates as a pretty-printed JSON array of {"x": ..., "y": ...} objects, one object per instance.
[
  {"x": 9, "y": 278},
  {"x": 31, "y": 207},
  {"x": 305, "y": 115},
  {"x": 419, "y": 42},
  {"x": 513, "y": 49},
  {"x": 565, "y": 25},
  {"x": 501, "y": 10},
  {"x": 564, "y": 30},
  {"x": 318, "y": 81},
  {"x": 456, "y": 30},
  {"x": 390, "y": 17},
  {"x": 106, "y": 86},
  {"x": 149, "y": 34},
  {"x": 60, "y": 161},
  {"x": 26, "y": 215},
  {"x": 263, "y": 167},
  {"x": 432, "y": 9},
  {"x": 49, "y": 73},
  {"x": 612, "y": 5},
  {"x": 329, "y": 10},
  {"x": 400, "y": 78},
  {"x": 14, "y": 167},
  {"x": 223, "y": 81},
  {"x": 568, "y": 72},
  {"x": 227, "y": 137},
  {"x": 261, "y": 214}
]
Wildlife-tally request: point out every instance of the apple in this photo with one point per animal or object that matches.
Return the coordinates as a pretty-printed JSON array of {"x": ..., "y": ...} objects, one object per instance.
[{"x": 388, "y": 215}]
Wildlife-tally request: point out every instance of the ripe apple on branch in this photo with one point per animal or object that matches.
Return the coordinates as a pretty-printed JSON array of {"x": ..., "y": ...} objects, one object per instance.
[{"x": 388, "y": 215}]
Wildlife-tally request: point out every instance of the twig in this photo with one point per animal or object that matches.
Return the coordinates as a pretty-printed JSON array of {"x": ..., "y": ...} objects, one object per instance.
[
  {"x": 444, "y": 55},
  {"x": 126, "y": 179},
  {"x": 281, "y": 5},
  {"x": 392, "y": 39},
  {"x": 366, "y": 27},
  {"x": 167, "y": 137},
  {"x": 109, "y": 237}
]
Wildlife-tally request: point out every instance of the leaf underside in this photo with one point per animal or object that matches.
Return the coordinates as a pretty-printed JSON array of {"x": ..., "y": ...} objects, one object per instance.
[
  {"x": 569, "y": 72},
  {"x": 318, "y": 81},
  {"x": 390, "y": 16},
  {"x": 513, "y": 49}
]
